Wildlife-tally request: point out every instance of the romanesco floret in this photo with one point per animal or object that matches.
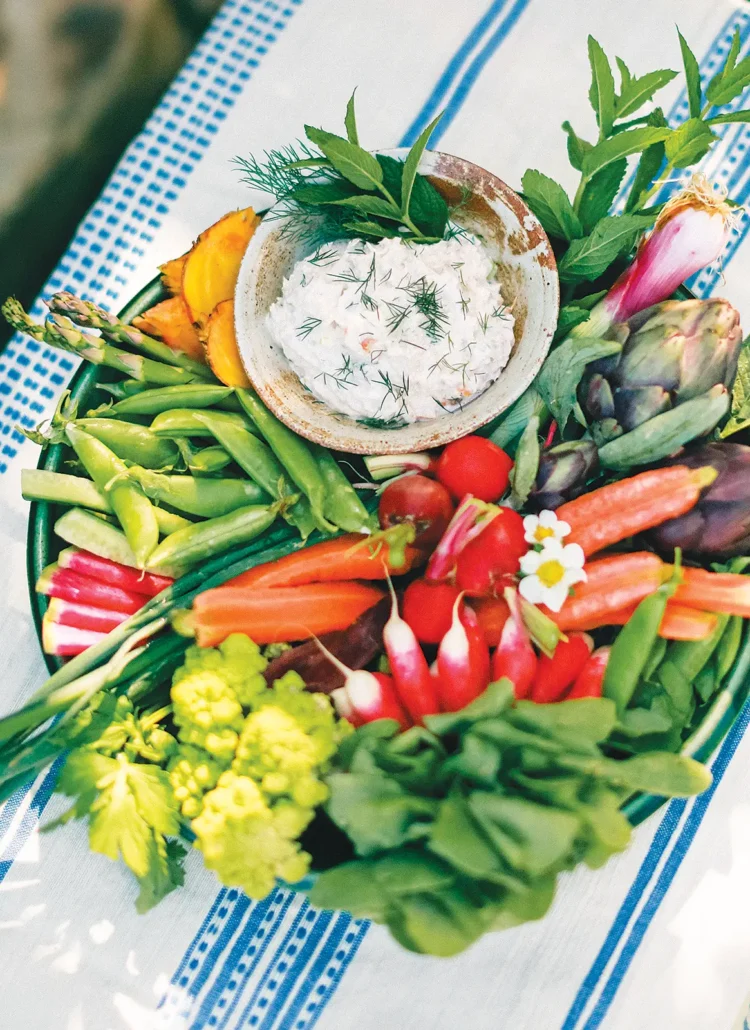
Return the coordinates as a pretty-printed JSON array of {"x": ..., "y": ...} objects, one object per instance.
[
  {"x": 247, "y": 842},
  {"x": 238, "y": 661},
  {"x": 191, "y": 773},
  {"x": 207, "y": 713}
]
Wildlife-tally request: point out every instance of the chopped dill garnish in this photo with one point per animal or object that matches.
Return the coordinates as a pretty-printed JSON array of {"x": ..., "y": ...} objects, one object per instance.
[
  {"x": 464, "y": 304},
  {"x": 383, "y": 423},
  {"x": 398, "y": 313},
  {"x": 307, "y": 326},
  {"x": 425, "y": 297},
  {"x": 322, "y": 257},
  {"x": 484, "y": 321}
]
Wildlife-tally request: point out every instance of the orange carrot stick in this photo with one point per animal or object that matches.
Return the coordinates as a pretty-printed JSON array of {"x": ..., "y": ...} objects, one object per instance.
[
  {"x": 345, "y": 557},
  {"x": 612, "y": 583},
  {"x": 279, "y": 614},
  {"x": 619, "y": 510},
  {"x": 726, "y": 592},
  {"x": 679, "y": 622}
]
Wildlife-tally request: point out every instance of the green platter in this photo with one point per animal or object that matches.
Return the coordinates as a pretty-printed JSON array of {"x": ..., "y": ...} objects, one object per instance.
[{"x": 43, "y": 548}]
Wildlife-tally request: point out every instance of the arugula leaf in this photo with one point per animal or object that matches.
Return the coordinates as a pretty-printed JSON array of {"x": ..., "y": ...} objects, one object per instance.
[
  {"x": 526, "y": 466},
  {"x": 562, "y": 372},
  {"x": 692, "y": 77},
  {"x": 639, "y": 91},
  {"x": 550, "y": 203},
  {"x": 350, "y": 122},
  {"x": 622, "y": 145},
  {"x": 732, "y": 79},
  {"x": 411, "y": 164},
  {"x": 599, "y": 193},
  {"x": 577, "y": 148},
  {"x": 689, "y": 143},
  {"x": 649, "y": 165},
  {"x": 602, "y": 91},
  {"x": 354, "y": 163},
  {"x": 589, "y": 257},
  {"x": 740, "y": 412},
  {"x": 731, "y": 116}
]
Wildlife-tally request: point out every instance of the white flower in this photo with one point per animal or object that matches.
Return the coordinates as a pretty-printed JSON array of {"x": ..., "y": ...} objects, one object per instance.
[
  {"x": 549, "y": 574},
  {"x": 544, "y": 526}
]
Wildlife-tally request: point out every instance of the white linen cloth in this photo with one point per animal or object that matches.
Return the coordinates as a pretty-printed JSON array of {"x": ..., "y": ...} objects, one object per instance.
[{"x": 660, "y": 937}]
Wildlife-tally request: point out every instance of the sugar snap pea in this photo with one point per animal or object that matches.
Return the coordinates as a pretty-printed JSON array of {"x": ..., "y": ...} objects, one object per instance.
[
  {"x": 191, "y": 395},
  {"x": 729, "y": 645},
  {"x": 690, "y": 656},
  {"x": 204, "y": 462},
  {"x": 293, "y": 453},
  {"x": 182, "y": 422},
  {"x": 204, "y": 540},
  {"x": 342, "y": 504},
  {"x": 208, "y": 498},
  {"x": 133, "y": 509},
  {"x": 131, "y": 442}
]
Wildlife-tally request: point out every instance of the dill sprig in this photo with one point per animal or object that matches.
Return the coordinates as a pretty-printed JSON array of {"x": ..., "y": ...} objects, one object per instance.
[
  {"x": 310, "y": 323},
  {"x": 425, "y": 298}
]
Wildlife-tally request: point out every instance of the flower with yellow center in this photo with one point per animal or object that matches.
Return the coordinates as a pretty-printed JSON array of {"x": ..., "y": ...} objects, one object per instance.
[
  {"x": 549, "y": 573},
  {"x": 544, "y": 526}
]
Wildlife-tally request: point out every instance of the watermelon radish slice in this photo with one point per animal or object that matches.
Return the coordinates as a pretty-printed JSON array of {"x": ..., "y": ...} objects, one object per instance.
[
  {"x": 72, "y": 586},
  {"x": 83, "y": 616},
  {"x": 66, "y": 641},
  {"x": 113, "y": 572}
]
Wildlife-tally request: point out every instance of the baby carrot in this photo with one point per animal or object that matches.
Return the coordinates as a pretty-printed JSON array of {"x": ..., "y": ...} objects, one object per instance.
[
  {"x": 726, "y": 592},
  {"x": 612, "y": 583},
  {"x": 345, "y": 557},
  {"x": 279, "y": 614},
  {"x": 619, "y": 510},
  {"x": 678, "y": 623}
]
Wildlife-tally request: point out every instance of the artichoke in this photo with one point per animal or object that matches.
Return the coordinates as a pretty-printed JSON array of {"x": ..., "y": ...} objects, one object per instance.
[
  {"x": 719, "y": 524},
  {"x": 563, "y": 471},
  {"x": 667, "y": 386}
]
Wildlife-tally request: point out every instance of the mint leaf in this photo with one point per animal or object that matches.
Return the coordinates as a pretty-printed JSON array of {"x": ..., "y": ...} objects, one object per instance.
[
  {"x": 602, "y": 91},
  {"x": 354, "y": 163},
  {"x": 360, "y": 228},
  {"x": 689, "y": 143},
  {"x": 428, "y": 210},
  {"x": 692, "y": 77},
  {"x": 411, "y": 164},
  {"x": 577, "y": 148},
  {"x": 649, "y": 165},
  {"x": 731, "y": 116},
  {"x": 589, "y": 257},
  {"x": 323, "y": 193},
  {"x": 392, "y": 173},
  {"x": 550, "y": 203},
  {"x": 732, "y": 79},
  {"x": 599, "y": 193},
  {"x": 370, "y": 206},
  {"x": 622, "y": 145},
  {"x": 638, "y": 91},
  {"x": 562, "y": 372},
  {"x": 350, "y": 122}
]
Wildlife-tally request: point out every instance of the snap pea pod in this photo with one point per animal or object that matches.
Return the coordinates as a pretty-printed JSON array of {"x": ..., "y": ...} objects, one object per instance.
[
  {"x": 153, "y": 402},
  {"x": 204, "y": 462},
  {"x": 131, "y": 442},
  {"x": 690, "y": 656},
  {"x": 293, "y": 453},
  {"x": 208, "y": 498},
  {"x": 258, "y": 461},
  {"x": 122, "y": 388},
  {"x": 342, "y": 504},
  {"x": 187, "y": 547},
  {"x": 729, "y": 645},
  {"x": 59, "y": 488},
  {"x": 183, "y": 422},
  {"x": 632, "y": 647},
  {"x": 92, "y": 533},
  {"x": 133, "y": 509}
]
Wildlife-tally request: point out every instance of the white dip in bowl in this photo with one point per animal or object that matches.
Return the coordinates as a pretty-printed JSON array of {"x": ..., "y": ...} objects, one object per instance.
[{"x": 392, "y": 332}]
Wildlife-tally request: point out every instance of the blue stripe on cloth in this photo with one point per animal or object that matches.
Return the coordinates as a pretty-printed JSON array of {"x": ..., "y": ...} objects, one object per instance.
[
  {"x": 30, "y": 818},
  {"x": 220, "y": 897},
  {"x": 670, "y": 869},
  {"x": 312, "y": 935},
  {"x": 344, "y": 958},
  {"x": 452, "y": 70},
  {"x": 312, "y": 988}
]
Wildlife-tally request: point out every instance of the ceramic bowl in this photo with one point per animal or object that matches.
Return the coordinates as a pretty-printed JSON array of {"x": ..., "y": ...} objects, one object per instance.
[{"x": 527, "y": 274}]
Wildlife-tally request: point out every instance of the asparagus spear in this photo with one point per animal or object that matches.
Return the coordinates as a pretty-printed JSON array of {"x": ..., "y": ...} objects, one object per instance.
[
  {"x": 91, "y": 316},
  {"x": 61, "y": 333}
]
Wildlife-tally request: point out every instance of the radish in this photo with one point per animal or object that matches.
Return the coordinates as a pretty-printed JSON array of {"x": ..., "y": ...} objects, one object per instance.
[
  {"x": 83, "y": 616},
  {"x": 514, "y": 657},
  {"x": 463, "y": 661},
  {"x": 112, "y": 572},
  {"x": 590, "y": 680},
  {"x": 556, "y": 674},
  {"x": 411, "y": 673},
  {"x": 428, "y": 608},
  {"x": 343, "y": 706},
  {"x": 470, "y": 519},
  {"x": 66, "y": 641},
  {"x": 487, "y": 562},
  {"x": 71, "y": 586},
  {"x": 366, "y": 695},
  {"x": 474, "y": 465},
  {"x": 418, "y": 502}
]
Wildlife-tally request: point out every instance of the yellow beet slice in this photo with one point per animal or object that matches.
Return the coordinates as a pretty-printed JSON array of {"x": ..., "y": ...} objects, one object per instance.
[
  {"x": 170, "y": 322},
  {"x": 171, "y": 274},
  {"x": 213, "y": 264},
  {"x": 221, "y": 346}
]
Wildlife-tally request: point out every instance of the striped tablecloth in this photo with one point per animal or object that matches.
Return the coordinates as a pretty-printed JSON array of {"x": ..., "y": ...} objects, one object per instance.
[{"x": 661, "y": 936}]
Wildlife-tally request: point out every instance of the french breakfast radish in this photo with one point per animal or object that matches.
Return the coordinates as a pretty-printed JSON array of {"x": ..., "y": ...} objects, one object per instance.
[
  {"x": 515, "y": 658},
  {"x": 411, "y": 673},
  {"x": 555, "y": 675},
  {"x": 590, "y": 679},
  {"x": 83, "y": 616},
  {"x": 66, "y": 641},
  {"x": 463, "y": 661},
  {"x": 366, "y": 696},
  {"x": 71, "y": 586},
  {"x": 487, "y": 563},
  {"x": 428, "y": 608}
]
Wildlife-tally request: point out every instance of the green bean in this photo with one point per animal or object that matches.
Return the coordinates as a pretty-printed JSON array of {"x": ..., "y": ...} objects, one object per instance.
[
  {"x": 183, "y": 422},
  {"x": 206, "y": 539},
  {"x": 632, "y": 646},
  {"x": 133, "y": 509},
  {"x": 258, "y": 461},
  {"x": 729, "y": 645},
  {"x": 191, "y": 395},
  {"x": 206, "y": 497},
  {"x": 131, "y": 442},
  {"x": 204, "y": 462},
  {"x": 690, "y": 656},
  {"x": 342, "y": 504},
  {"x": 293, "y": 453}
]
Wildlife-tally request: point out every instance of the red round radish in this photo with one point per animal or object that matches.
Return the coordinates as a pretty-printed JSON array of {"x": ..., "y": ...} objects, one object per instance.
[
  {"x": 590, "y": 680},
  {"x": 556, "y": 674},
  {"x": 428, "y": 608},
  {"x": 420, "y": 502},
  {"x": 486, "y": 564},
  {"x": 474, "y": 466},
  {"x": 492, "y": 614}
]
